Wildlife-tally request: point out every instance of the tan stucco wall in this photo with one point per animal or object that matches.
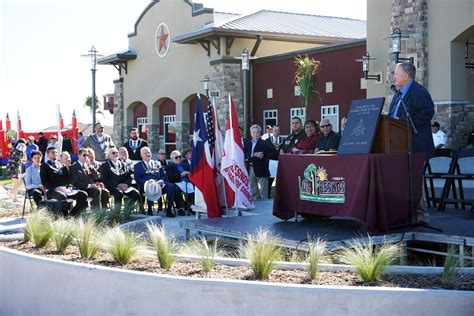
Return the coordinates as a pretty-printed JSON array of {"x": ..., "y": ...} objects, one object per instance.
[{"x": 448, "y": 79}]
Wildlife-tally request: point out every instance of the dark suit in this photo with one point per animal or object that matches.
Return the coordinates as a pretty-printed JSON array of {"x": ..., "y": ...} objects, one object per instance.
[
  {"x": 53, "y": 174},
  {"x": 42, "y": 145},
  {"x": 83, "y": 179},
  {"x": 134, "y": 151},
  {"x": 421, "y": 109},
  {"x": 186, "y": 165},
  {"x": 114, "y": 175},
  {"x": 144, "y": 173},
  {"x": 174, "y": 176},
  {"x": 67, "y": 145},
  {"x": 258, "y": 168},
  {"x": 274, "y": 144}
]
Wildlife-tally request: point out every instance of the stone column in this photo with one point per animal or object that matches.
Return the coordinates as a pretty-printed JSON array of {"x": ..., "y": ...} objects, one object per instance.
[
  {"x": 119, "y": 113},
  {"x": 226, "y": 78},
  {"x": 153, "y": 137},
  {"x": 182, "y": 135},
  {"x": 456, "y": 119}
]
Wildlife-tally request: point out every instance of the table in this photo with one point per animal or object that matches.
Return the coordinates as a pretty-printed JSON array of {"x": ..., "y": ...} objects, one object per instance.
[{"x": 371, "y": 188}]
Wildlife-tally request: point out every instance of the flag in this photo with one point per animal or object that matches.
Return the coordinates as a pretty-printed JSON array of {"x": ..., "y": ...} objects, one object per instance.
[
  {"x": 233, "y": 169},
  {"x": 218, "y": 148},
  {"x": 202, "y": 166},
  {"x": 59, "y": 144}
]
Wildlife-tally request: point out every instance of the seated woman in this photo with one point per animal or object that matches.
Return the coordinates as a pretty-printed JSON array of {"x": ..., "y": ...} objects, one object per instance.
[
  {"x": 118, "y": 180},
  {"x": 307, "y": 143},
  {"x": 32, "y": 178}
]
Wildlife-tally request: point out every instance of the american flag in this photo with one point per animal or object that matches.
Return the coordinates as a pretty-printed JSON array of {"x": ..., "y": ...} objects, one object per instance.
[{"x": 211, "y": 137}]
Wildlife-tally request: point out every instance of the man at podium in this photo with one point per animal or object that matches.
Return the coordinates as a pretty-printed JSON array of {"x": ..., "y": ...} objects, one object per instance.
[{"x": 421, "y": 109}]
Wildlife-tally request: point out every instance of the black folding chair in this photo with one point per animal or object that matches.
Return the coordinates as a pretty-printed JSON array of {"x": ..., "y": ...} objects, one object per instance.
[
  {"x": 431, "y": 173},
  {"x": 462, "y": 171},
  {"x": 27, "y": 197}
]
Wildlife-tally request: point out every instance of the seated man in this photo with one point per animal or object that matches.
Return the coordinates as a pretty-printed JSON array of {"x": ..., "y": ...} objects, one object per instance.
[
  {"x": 33, "y": 179},
  {"x": 186, "y": 162},
  {"x": 148, "y": 169},
  {"x": 54, "y": 177},
  {"x": 329, "y": 141},
  {"x": 123, "y": 156},
  {"x": 118, "y": 180},
  {"x": 65, "y": 160},
  {"x": 177, "y": 175},
  {"x": 83, "y": 179}
]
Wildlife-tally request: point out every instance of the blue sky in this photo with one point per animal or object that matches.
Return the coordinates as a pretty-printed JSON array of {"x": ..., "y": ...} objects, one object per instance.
[{"x": 41, "y": 43}]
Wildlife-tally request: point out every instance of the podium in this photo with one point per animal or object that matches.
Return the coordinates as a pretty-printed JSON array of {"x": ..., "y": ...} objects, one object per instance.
[{"x": 391, "y": 137}]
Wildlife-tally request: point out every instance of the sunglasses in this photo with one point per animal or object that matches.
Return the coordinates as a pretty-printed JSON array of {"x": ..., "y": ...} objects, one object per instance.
[
  {"x": 114, "y": 153},
  {"x": 161, "y": 153},
  {"x": 324, "y": 126},
  {"x": 177, "y": 157}
]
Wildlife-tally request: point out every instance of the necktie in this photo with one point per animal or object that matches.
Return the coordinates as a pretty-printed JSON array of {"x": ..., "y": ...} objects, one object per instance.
[{"x": 396, "y": 106}]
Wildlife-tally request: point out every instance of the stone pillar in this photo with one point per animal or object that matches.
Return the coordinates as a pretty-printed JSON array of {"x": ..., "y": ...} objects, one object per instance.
[
  {"x": 226, "y": 78},
  {"x": 118, "y": 135},
  {"x": 456, "y": 119},
  {"x": 154, "y": 137},
  {"x": 182, "y": 135}
]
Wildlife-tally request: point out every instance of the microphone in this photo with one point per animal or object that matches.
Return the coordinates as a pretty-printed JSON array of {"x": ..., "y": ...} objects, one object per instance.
[{"x": 394, "y": 90}]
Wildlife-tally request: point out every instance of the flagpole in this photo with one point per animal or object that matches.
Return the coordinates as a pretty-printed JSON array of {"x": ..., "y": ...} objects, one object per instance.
[
  {"x": 239, "y": 213},
  {"x": 216, "y": 126}
]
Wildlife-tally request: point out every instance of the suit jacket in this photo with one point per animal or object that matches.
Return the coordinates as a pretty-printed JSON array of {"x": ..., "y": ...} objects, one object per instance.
[
  {"x": 80, "y": 179},
  {"x": 142, "y": 173},
  {"x": 53, "y": 174},
  {"x": 421, "y": 108},
  {"x": 42, "y": 145},
  {"x": 185, "y": 164},
  {"x": 274, "y": 144},
  {"x": 260, "y": 166},
  {"x": 100, "y": 153},
  {"x": 134, "y": 153},
  {"x": 112, "y": 176},
  {"x": 67, "y": 145},
  {"x": 172, "y": 172}
]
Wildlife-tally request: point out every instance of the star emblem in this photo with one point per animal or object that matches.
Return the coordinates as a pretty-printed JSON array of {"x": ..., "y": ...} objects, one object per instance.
[
  {"x": 162, "y": 39},
  {"x": 196, "y": 137}
]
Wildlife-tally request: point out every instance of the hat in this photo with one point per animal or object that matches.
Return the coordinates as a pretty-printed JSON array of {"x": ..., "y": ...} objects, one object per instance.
[
  {"x": 98, "y": 125},
  {"x": 435, "y": 124},
  {"x": 54, "y": 137},
  {"x": 31, "y": 138},
  {"x": 152, "y": 190}
]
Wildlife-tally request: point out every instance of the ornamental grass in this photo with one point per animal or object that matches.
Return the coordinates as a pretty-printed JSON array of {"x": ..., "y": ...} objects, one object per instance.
[
  {"x": 262, "y": 250},
  {"x": 369, "y": 261},
  {"x": 207, "y": 253},
  {"x": 38, "y": 229},
  {"x": 163, "y": 244},
  {"x": 86, "y": 234},
  {"x": 316, "y": 255},
  {"x": 122, "y": 245},
  {"x": 450, "y": 275},
  {"x": 63, "y": 233}
]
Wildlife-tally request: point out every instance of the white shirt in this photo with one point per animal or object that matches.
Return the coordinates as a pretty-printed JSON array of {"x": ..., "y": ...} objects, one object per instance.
[{"x": 440, "y": 138}]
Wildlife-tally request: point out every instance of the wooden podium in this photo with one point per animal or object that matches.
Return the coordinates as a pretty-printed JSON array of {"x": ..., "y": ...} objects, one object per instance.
[{"x": 391, "y": 137}]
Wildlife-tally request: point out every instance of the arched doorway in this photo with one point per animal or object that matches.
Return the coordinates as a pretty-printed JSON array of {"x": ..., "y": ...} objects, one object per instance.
[
  {"x": 137, "y": 117},
  {"x": 192, "y": 109},
  {"x": 167, "y": 115}
]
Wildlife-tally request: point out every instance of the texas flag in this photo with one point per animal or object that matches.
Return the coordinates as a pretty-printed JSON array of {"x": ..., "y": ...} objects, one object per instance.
[
  {"x": 202, "y": 174},
  {"x": 237, "y": 182}
]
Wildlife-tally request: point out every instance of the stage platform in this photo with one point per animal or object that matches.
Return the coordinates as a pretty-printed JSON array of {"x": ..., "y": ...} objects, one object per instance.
[{"x": 457, "y": 226}]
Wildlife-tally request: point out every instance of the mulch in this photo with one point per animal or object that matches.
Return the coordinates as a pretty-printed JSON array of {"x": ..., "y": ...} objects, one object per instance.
[{"x": 193, "y": 269}]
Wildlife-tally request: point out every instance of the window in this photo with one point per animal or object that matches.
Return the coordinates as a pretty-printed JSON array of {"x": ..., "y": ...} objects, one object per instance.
[
  {"x": 299, "y": 112},
  {"x": 169, "y": 135},
  {"x": 270, "y": 117},
  {"x": 331, "y": 112},
  {"x": 141, "y": 122}
]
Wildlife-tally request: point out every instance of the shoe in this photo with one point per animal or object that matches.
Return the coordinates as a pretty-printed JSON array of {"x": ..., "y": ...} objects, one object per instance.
[
  {"x": 149, "y": 213},
  {"x": 181, "y": 212},
  {"x": 169, "y": 213},
  {"x": 160, "y": 210}
]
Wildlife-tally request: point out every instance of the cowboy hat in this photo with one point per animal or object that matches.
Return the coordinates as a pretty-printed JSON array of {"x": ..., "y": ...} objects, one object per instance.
[{"x": 152, "y": 190}]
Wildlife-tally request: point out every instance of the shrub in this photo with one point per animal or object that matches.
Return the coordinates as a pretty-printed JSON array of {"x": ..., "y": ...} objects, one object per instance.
[
  {"x": 164, "y": 245},
  {"x": 38, "y": 229},
  {"x": 121, "y": 245},
  {"x": 368, "y": 262},
  {"x": 450, "y": 276},
  {"x": 317, "y": 253},
  {"x": 262, "y": 250},
  {"x": 63, "y": 233},
  {"x": 200, "y": 247},
  {"x": 86, "y": 235}
]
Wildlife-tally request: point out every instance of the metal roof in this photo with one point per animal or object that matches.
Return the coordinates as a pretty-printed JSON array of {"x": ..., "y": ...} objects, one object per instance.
[
  {"x": 274, "y": 24},
  {"x": 122, "y": 56}
]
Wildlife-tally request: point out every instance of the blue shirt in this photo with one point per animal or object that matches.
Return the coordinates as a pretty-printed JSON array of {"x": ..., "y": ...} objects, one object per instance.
[
  {"x": 32, "y": 177},
  {"x": 403, "y": 92},
  {"x": 29, "y": 149}
]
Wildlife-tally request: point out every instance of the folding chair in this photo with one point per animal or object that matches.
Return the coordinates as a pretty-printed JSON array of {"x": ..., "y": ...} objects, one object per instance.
[
  {"x": 433, "y": 171},
  {"x": 463, "y": 170},
  {"x": 27, "y": 197}
]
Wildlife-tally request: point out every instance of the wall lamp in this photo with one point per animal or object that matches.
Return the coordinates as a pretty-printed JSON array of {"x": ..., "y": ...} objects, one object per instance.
[
  {"x": 396, "y": 46},
  {"x": 365, "y": 67}
]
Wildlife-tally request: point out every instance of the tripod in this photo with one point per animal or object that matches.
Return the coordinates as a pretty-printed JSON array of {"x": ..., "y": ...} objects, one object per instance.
[{"x": 411, "y": 127}]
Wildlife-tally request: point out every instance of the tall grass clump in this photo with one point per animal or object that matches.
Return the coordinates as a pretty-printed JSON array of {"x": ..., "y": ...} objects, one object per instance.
[
  {"x": 368, "y": 261},
  {"x": 63, "y": 233},
  {"x": 450, "y": 276},
  {"x": 206, "y": 253},
  {"x": 262, "y": 250},
  {"x": 86, "y": 235},
  {"x": 317, "y": 253},
  {"x": 38, "y": 229},
  {"x": 164, "y": 245},
  {"x": 122, "y": 245}
]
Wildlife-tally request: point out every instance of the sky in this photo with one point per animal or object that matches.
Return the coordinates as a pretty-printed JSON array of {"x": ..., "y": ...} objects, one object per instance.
[{"x": 41, "y": 43}]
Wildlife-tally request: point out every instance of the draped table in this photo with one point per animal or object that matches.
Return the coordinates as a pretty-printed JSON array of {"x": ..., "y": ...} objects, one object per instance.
[{"x": 371, "y": 188}]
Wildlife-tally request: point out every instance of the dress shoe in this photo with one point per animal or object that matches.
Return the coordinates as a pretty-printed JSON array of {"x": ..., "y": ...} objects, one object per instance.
[
  {"x": 149, "y": 213},
  {"x": 160, "y": 210},
  {"x": 180, "y": 212},
  {"x": 169, "y": 213}
]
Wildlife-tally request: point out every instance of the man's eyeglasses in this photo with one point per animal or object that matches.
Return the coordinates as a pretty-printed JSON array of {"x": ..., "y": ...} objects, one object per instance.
[
  {"x": 161, "y": 153},
  {"x": 114, "y": 153},
  {"x": 324, "y": 126},
  {"x": 85, "y": 155}
]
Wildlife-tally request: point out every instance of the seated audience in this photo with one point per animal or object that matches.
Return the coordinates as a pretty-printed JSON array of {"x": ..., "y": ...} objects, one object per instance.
[
  {"x": 83, "y": 178},
  {"x": 118, "y": 180},
  {"x": 439, "y": 137},
  {"x": 309, "y": 141},
  {"x": 123, "y": 156},
  {"x": 55, "y": 177},
  {"x": 329, "y": 140},
  {"x": 32, "y": 178}
]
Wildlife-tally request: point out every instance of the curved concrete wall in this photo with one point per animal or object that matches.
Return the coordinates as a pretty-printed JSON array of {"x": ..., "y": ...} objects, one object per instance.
[{"x": 40, "y": 286}]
